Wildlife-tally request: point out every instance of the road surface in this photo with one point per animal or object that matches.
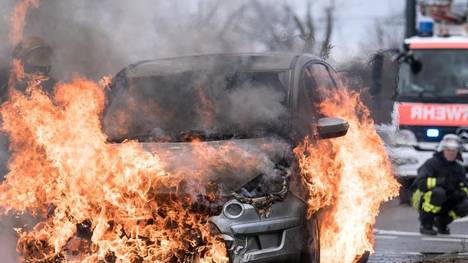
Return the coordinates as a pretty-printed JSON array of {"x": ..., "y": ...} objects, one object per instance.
[{"x": 398, "y": 239}]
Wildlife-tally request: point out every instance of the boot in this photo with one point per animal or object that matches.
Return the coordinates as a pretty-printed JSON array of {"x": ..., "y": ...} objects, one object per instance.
[
  {"x": 427, "y": 230},
  {"x": 441, "y": 224},
  {"x": 427, "y": 223}
]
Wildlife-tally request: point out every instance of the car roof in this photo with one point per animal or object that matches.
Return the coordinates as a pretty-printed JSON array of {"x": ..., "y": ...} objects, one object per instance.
[{"x": 240, "y": 61}]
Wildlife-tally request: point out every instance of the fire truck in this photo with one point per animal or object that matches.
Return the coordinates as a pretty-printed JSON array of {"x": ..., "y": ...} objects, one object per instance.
[{"x": 431, "y": 98}]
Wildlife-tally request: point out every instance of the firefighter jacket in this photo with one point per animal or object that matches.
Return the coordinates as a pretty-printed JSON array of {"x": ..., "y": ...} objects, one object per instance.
[{"x": 438, "y": 172}]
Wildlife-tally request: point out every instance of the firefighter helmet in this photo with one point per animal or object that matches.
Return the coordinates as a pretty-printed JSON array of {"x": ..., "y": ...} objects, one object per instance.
[
  {"x": 33, "y": 51},
  {"x": 450, "y": 141}
]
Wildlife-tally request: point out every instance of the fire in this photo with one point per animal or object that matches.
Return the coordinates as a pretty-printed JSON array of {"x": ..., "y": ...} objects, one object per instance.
[
  {"x": 17, "y": 72},
  {"x": 97, "y": 201},
  {"x": 102, "y": 202},
  {"x": 17, "y": 19},
  {"x": 349, "y": 176}
]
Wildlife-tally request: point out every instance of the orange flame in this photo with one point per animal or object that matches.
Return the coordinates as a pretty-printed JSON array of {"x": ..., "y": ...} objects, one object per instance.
[
  {"x": 17, "y": 72},
  {"x": 17, "y": 19},
  {"x": 63, "y": 169},
  {"x": 350, "y": 177},
  {"x": 206, "y": 110}
]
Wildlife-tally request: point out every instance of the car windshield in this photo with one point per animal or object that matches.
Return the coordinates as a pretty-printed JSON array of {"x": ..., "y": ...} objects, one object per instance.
[
  {"x": 442, "y": 76},
  {"x": 203, "y": 105}
]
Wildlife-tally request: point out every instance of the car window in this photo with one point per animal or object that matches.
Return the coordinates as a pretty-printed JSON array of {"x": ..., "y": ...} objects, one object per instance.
[
  {"x": 315, "y": 80},
  {"x": 207, "y": 105}
]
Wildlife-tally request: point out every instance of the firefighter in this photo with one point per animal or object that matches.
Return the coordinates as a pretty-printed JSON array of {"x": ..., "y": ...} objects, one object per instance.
[
  {"x": 441, "y": 188},
  {"x": 35, "y": 56}
]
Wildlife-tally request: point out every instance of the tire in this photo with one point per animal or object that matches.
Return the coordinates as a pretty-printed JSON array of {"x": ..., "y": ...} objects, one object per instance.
[
  {"x": 311, "y": 253},
  {"x": 405, "y": 193},
  {"x": 364, "y": 258}
]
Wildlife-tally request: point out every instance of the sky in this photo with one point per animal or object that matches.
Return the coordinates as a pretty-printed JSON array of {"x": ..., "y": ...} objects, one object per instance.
[
  {"x": 354, "y": 31},
  {"x": 356, "y": 23}
]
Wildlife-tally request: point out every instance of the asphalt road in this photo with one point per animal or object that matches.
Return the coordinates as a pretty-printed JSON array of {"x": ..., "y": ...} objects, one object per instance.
[{"x": 398, "y": 239}]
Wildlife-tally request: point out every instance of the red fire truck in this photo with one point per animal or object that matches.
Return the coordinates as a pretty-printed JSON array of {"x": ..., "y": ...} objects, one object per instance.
[{"x": 432, "y": 91}]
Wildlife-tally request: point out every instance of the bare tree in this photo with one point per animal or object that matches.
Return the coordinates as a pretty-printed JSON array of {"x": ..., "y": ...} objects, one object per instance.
[
  {"x": 121, "y": 32},
  {"x": 308, "y": 32}
]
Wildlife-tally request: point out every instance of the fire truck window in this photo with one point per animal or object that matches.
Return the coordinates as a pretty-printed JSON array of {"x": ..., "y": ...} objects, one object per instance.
[{"x": 443, "y": 76}]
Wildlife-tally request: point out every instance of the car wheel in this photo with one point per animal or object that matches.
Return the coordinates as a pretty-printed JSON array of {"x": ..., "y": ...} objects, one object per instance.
[
  {"x": 405, "y": 193},
  {"x": 364, "y": 258},
  {"x": 311, "y": 253}
]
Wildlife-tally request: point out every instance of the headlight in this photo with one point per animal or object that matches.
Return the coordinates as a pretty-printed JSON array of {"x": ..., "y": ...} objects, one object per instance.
[
  {"x": 405, "y": 138},
  {"x": 233, "y": 209}
]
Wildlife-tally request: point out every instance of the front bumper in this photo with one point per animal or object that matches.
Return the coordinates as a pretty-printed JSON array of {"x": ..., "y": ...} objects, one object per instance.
[{"x": 279, "y": 237}]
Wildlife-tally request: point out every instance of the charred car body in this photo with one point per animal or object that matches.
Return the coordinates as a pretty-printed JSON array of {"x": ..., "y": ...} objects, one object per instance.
[{"x": 262, "y": 104}]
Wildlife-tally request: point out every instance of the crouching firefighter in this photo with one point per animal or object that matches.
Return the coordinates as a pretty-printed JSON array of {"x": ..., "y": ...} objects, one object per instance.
[{"x": 441, "y": 188}]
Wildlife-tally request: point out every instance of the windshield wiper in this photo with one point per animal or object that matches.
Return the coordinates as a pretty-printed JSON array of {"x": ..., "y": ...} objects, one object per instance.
[
  {"x": 184, "y": 136},
  {"x": 144, "y": 137},
  {"x": 191, "y": 135}
]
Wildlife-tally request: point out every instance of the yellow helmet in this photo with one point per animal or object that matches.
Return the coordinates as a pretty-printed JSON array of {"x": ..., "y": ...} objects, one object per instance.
[{"x": 34, "y": 51}]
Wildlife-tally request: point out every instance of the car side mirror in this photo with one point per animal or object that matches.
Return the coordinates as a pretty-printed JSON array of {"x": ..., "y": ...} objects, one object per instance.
[{"x": 332, "y": 128}]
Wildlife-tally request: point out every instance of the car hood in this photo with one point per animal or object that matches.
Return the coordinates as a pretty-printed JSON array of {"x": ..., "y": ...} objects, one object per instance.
[{"x": 229, "y": 163}]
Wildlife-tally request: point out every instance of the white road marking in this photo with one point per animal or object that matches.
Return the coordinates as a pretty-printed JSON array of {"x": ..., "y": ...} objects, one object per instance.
[
  {"x": 461, "y": 220},
  {"x": 386, "y": 237},
  {"x": 395, "y": 232},
  {"x": 411, "y": 253},
  {"x": 396, "y": 253},
  {"x": 414, "y": 234},
  {"x": 442, "y": 239}
]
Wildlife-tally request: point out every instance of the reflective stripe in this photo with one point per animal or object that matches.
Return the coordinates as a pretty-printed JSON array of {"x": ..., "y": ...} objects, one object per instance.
[
  {"x": 453, "y": 215},
  {"x": 431, "y": 182},
  {"x": 416, "y": 199},
  {"x": 465, "y": 189},
  {"x": 427, "y": 206}
]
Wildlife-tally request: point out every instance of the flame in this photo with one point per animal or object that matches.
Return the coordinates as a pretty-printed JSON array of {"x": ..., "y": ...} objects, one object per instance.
[
  {"x": 102, "y": 202},
  {"x": 16, "y": 73},
  {"x": 349, "y": 177},
  {"x": 17, "y": 19},
  {"x": 105, "y": 81},
  {"x": 105, "y": 202},
  {"x": 97, "y": 201},
  {"x": 206, "y": 110}
]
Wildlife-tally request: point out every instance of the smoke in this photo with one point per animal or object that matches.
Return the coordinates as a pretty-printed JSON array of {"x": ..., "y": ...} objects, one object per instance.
[
  {"x": 216, "y": 102},
  {"x": 251, "y": 105},
  {"x": 96, "y": 38}
]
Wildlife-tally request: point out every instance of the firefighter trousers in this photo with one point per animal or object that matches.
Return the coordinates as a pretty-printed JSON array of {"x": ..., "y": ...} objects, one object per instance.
[{"x": 439, "y": 203}]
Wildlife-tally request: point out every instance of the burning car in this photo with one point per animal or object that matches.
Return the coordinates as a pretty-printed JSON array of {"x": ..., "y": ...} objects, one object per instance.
[{"x": 232, "y": 120}]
